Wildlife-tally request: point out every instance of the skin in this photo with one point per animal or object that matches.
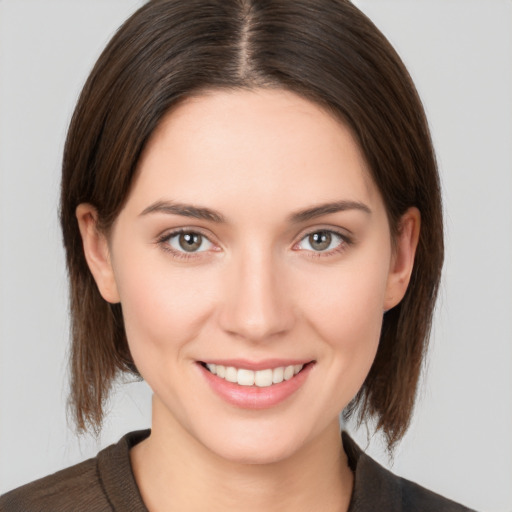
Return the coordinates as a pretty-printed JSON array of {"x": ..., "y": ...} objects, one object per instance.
[{"x": 256, "y": 289}]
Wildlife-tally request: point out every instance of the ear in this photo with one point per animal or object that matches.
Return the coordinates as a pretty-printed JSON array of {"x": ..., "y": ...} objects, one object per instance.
[
  {"x": 402, "y": 261},
  {"x": 97, "y": 252}
]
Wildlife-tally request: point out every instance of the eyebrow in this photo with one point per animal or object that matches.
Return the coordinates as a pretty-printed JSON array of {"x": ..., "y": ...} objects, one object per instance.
[
  {"x": 185, "y": 210},
  {"x": 198, "y": 212},
  {"x": 327, "y": 208}
]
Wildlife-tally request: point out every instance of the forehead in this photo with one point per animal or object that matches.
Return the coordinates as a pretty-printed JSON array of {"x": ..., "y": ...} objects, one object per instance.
[{"x": 268, "y": 144}]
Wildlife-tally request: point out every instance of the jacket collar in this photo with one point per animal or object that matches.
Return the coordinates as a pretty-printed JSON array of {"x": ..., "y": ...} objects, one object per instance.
[{"x": 375, "y": 488}]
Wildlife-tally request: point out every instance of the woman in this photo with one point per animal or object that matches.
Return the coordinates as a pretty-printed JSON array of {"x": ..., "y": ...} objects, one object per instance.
[{"x": 252, "y": 219}]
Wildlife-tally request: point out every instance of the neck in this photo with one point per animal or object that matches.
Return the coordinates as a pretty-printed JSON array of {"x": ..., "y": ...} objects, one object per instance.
[{"x": 175, "y": 472}]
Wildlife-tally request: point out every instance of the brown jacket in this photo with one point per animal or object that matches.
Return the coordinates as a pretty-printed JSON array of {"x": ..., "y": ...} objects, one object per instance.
[{"x": 106, "y": 483}]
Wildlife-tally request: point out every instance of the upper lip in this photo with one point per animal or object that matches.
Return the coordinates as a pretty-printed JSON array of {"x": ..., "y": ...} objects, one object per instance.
[{"x": 257, "y": 365}]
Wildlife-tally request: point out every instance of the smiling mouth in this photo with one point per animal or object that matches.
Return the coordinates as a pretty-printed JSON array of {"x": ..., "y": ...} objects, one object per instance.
[{"x": 259, "y": 378}]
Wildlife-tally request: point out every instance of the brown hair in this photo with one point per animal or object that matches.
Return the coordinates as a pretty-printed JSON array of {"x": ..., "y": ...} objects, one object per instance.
[{"x": 324, "y": 50}]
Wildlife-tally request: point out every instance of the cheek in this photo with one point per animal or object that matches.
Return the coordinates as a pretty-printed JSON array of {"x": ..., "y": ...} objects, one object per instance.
[
  {"x": 348, "y": 300},
  {"x": 346, "y": 313},
  {"x": 164, "y": 307}
]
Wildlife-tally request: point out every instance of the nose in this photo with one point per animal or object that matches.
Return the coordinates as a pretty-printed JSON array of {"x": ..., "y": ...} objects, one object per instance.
[{"x": 257, "y": 305}]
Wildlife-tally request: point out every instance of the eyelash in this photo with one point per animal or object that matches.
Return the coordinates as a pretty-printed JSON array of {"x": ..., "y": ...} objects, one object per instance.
[
  {"x": 163, "y": 242},
  {"x": 343, "y": 244}
]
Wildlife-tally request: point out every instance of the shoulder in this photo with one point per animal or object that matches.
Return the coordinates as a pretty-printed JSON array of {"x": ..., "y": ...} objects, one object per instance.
[
  {"x": 376, "y": 488},
  {"x": 62, "y": 491},
  {"x": 415, "y": 497},
  {"x": 103, "y": 483}
]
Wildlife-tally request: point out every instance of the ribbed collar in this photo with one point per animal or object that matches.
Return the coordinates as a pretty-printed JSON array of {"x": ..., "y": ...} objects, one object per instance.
[{"x": 116, "y": 474}]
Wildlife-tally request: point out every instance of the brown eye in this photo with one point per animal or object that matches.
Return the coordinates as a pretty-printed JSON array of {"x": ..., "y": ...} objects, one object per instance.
[
  {"x": 190, "y": 242},
  {"x": 320, "y": 241}
]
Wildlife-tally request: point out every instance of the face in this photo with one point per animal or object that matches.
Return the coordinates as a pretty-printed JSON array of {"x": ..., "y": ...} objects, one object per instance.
[{"x": 253, "y": 262}]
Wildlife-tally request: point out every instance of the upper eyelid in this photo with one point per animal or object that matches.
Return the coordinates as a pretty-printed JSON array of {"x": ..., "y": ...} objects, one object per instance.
[
  {"x": 169, "y": 233},
  {"x": 344, "y": 239},
  {"x": 342, "y": 232}
]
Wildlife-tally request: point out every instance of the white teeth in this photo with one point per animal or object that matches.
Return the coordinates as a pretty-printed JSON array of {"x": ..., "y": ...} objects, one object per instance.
[
  {"x": 278, "y": 375},
  {"x": 231, "y": 374},
  {"x": 288, "y": 372},
  {"x": 260, "y": 378},
  {"x": 245, "y": 377}
]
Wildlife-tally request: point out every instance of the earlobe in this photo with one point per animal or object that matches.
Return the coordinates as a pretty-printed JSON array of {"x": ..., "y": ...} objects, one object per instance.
[
  {"x": 402, "y": 262},
  {"x": 97, "y": 252}
]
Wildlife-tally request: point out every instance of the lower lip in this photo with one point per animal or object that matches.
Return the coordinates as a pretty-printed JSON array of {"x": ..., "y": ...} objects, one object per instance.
[{"x": 253, "y": 397}]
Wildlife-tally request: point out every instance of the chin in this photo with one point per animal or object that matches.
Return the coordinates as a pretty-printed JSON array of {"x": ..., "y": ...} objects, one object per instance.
[
  {"x": 244, "y": 453},
  {"x": 266, "y": 444}
]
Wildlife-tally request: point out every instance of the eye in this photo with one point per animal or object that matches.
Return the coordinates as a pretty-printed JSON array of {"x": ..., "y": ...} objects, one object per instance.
[
  {"x": 189, "y": 242},
  {"x": 321, "y": 241}
]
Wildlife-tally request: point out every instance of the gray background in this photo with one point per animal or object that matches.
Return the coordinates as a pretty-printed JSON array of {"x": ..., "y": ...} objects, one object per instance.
[{"x": 460, "y": 55}]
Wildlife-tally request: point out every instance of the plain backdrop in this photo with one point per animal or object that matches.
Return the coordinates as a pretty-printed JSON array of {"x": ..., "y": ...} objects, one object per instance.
[{"x": 460, "y": 54}]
